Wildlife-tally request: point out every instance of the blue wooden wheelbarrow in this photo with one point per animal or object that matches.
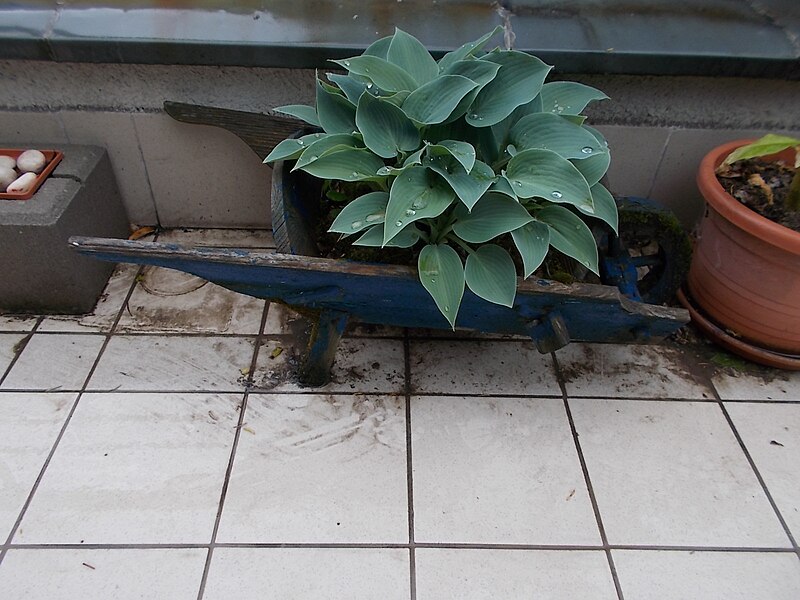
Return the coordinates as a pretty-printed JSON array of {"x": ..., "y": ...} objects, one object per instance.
[{"x": 626, "y": 308}]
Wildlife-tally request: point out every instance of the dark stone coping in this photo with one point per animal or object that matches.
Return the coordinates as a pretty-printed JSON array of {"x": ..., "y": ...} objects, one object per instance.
[{"x": 744, "y": 38}]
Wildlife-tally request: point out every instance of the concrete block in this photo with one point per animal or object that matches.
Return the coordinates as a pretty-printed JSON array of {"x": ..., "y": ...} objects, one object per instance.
[
  {"x": 39, "y": 272},
  {"x": 635, "y": 154}
]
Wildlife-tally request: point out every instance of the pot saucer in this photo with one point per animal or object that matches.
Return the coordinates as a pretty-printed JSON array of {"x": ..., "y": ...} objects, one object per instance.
[{"x": 736, "y": 345}]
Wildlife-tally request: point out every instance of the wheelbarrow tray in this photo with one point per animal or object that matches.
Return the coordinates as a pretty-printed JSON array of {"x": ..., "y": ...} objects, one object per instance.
[
  {"x": 334, "y": 291},
  {"x": 331, "y": 292}
]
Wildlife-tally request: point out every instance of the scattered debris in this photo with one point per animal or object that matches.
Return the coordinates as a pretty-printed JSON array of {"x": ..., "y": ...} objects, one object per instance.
[
  {"x": 141, "y": 232},
  {"x": 570, "y": 495},
  {"x": 213, "y": 415},
  {"x": 776, "y": 443},
  {"x": 248, "y": 430},
  {"x": 276, "y": 353},
  {"x": 89, "y": 566},
  {"x": 245, "y": 371}
]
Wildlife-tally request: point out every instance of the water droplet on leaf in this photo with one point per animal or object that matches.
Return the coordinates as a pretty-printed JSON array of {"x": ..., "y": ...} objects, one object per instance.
[
  {"x": 410, "y": 212},
  {"x": 556, "y": 194},
  {"x": 356, "y": 224},
  {"x": 399, "y": 223},
  {"x": 587, "y": 150},
  {"x": 375, "y": 217}
]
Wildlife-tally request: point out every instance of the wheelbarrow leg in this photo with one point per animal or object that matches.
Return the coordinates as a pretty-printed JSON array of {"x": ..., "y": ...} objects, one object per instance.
[{"x": 315, "y": 369}]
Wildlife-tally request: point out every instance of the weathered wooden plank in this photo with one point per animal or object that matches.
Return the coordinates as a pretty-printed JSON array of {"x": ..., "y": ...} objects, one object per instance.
[
  {"x": 392, "y": 294},
  {"x": 259, "y": 131}
]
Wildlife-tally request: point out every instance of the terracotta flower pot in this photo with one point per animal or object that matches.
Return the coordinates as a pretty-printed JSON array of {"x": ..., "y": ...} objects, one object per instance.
[{"x": 745, "y": 271}]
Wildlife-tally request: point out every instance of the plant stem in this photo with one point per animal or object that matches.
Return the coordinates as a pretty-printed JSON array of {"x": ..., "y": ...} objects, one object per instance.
[
  {"x": 501, "y": 163},
  {"x": 461, "y": 243}
]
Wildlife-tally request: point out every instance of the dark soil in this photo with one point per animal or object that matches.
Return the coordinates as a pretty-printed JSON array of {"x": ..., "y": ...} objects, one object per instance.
[{"x": 762, "y": 187}]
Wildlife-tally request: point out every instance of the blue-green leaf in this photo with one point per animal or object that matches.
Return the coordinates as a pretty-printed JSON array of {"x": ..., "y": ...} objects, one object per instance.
[
  {"x": 533, "y": 242},
  {"x": 551, "y": 132},
  {"x": 518, "y": 81},
  {"x": 594, "y": 167},
  {"x": 416, "y": 194},
  {"x": 374, "y": 237},
  {"x": 466, "y": 50},
  {"x": 301, "y": 111},
  {"x": 502, "y": 130},
  {"x": 490, "y": 274},
  {"x": 545, "y": 174},
  {"x": 568, "y": 97},
  {"x": 379, "y": 47},
  {"x": 386, "y": 128},
  {"x": 605, "y": 207},
  {"x": 408, "y": 53},
  {"x": 435, "y": 101},
  {"x": 442, "y": 275},
  {"x": 292, "y": 148},
  {"x": 345, "y": 165},
  {"x": 468, "y": 186},
  {"x": 479, "y": 71},
  {"x": 502, "y": 186},
  {"x": 365, "y": 211},
  {"x": 351, "y": 88},
  {"x": 493, "y": 215},
  {"x": 570, "y": 235},
  {"x": 463, "y": 152},
  {"x": 336, "y": 114},
  {"x": 385, "y": 75},
  {"x": 325, "y": 144}
]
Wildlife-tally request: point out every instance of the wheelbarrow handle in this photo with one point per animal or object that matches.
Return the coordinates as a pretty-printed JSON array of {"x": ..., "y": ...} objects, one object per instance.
[{"x": 259, "y": 131}]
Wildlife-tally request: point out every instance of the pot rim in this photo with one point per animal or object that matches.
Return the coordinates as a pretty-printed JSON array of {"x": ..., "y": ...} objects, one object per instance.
[{"x": 736, "y": 212}]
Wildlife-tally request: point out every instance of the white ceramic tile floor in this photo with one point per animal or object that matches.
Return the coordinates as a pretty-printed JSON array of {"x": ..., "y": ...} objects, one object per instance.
[
  {"x": 498, "y": 471},
  {"x": 319, "y": 468},
  {"x": 481, "y": 367},
  {"x": 778, "y": 385},
  {"x": 708, "y": 575},
  {"x": 428, "y": 468},
  {"x": 25, "y": 444},
  {"x": 512, "y": 574},
  {"x": 153, "y": 465},
  {"x": 173, "y": 363},
  {"x": 53, "y": 361},
  {"x": 119, "y": 574},
  {"x": 8, "y": 349},
  {"x": 308, "y": 573},
  {"x": 672, "y": 474},
  {"x": 771, "y": 433},
  {"x": 615, "y": 371}
]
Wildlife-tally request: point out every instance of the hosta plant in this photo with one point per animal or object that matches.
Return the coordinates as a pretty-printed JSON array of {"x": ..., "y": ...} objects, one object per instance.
[{"x": 462, "y": 159}]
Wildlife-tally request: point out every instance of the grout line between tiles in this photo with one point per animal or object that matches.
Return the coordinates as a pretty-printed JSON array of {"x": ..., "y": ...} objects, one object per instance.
[
  {"x": 412, "y": 555},
  {"x": 584, "y": 468},
  {"x": 234, "y": 446},
  {"x": 21, "y": 347},
  {"x": 63, "y": 429},
  {"x": 403, "y": 546}
]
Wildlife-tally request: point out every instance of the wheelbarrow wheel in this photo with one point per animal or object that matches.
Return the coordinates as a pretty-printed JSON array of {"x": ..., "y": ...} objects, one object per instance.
[{"x": 649, "y": 259}]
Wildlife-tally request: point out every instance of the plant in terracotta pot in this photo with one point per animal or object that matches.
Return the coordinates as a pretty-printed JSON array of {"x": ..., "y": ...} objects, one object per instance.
[
  {"x": 472, "y": 163},
  {"x": 744, "y": 280}
]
